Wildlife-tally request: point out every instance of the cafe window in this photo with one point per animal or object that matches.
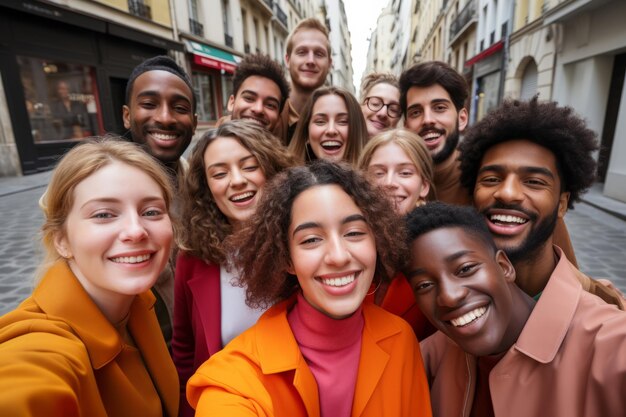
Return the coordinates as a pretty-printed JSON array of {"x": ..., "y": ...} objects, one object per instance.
[
  {"x": 61, "y": 99},
  {"x": 205, "y": 94}
]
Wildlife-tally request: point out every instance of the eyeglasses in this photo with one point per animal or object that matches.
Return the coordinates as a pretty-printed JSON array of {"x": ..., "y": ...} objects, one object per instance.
[{"x": 377, "y": 103}]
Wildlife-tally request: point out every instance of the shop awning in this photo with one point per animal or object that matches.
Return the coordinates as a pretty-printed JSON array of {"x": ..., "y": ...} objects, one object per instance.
[
  {"x": 212, "y": 57},
  {"x": 486, "y": 53}
]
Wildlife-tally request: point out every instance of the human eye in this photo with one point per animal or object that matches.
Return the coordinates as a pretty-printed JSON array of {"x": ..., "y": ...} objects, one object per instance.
[
  {"x": 377, "y": 173},
  {"x": 181, "y": 108},
  {"x": 248, "y": 98},
  {"x": 489, "y": 180},
  {"x": 154, "y": 212},
  {"x": 440, "y": 108},
  {"x": 535, "y": 182},
  {"x": 343, "y": 121},
  {"x": 271, "y": 105},
  {"x": 407, "y": 173},
  {"x": 319, "y": 122},
  {"x": 394, "y": 110},
  {"x": 320, "y": 54},
  {"x": 250, "y": 166},
  {"x": 467, "y": 269},
  {"x": 218, "y": 174},
  {"x": 147, "y": 104},
  {"x": 414, "y": 112},
  {"x": 422, "y": 285}
]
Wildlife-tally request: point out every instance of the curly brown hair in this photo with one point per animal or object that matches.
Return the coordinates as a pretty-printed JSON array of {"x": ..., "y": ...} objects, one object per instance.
[
  {"x": 263, "y": 256},
  {"x": 205, "y": 227},
  {"x": 559, "y": 129}
]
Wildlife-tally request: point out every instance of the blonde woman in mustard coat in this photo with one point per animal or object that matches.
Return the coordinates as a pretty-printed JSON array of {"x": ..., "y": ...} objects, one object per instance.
[
  {"x": 87, "y": 341},
  {"x": 320, "y": 236}
]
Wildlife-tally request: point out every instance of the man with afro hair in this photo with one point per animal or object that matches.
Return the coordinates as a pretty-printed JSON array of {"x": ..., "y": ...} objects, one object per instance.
[
  {"x": 526, "y": 163},
  {"x": 260, "y": 91}
]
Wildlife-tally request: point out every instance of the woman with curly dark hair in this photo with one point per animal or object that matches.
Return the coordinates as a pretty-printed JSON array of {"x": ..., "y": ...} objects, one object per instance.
[
  {"x": 227, "y": 171},
  {"x": 319, "y": 238}
]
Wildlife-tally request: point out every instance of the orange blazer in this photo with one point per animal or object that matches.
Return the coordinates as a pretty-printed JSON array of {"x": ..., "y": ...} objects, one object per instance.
[
  {"x": 59, "y": 356},
  {"x": 263, "y": 373}
]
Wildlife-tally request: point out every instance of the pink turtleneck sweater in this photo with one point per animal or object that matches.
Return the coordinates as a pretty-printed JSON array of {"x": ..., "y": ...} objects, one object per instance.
[{"x": 332, "y": 349}]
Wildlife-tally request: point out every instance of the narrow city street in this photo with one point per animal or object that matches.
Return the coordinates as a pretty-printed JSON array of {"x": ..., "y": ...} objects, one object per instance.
[{"x": 599, "y": 239}]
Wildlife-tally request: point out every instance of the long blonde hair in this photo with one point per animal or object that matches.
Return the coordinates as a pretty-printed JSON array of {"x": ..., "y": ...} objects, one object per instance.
[{"x": 78, "y": 164}]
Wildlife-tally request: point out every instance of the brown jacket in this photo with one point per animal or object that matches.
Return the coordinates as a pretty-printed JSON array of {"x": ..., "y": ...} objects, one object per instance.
[
  {"x": 569, "y": 360},
  {"x": 59, "y": 356}
]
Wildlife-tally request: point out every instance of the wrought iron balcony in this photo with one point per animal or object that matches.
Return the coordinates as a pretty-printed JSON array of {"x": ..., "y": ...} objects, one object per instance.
[
  {"x": 280, "y": 14},
  {"x": 138, "y": 8},
  {"x": 465, "y": 16},
  {"x": 196, "y": 27}
]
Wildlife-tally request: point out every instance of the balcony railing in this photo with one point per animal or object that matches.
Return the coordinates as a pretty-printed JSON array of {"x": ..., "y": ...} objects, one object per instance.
[
  {"x": 270, "y": 3},
  {"x": 280, "y": 14},
  {"x": 228, "y": 40},
  {"x": 465, "y": 16},
  {"x": 138, "y": 8},
  {"x": 196, "y": 27}
]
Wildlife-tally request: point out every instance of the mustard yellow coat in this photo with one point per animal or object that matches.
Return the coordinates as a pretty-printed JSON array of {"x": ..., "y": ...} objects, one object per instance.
[
  {"x": 263, "y": 373},
  {"x": 59, "y": 356}
]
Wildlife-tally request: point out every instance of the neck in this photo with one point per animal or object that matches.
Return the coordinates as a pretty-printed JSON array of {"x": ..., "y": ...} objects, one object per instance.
[
  {"x": 521, "y": 306},
  {"x": 534, "y": 271},
  {"x": 298, "y": 97}
]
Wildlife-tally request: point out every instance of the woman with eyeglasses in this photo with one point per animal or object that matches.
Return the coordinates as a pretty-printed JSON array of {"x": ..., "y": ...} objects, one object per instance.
[{"x": 380, "y": 102}]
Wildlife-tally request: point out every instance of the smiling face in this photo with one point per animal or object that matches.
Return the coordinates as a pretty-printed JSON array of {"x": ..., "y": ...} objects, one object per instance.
[
  {"x": 392, "y": 168},
  {"x": 328, "y": 128},
  {"x": 332, "y": 250},
  {"x": 234, "y": 177},
  {"x": 309, "y": 61},
  {"x": 518, "y": 190},
  {"x": 432, "y": 115},
  {"x": 160, "y": 114},
  {"x": 465, "y": 290},
  {"x": 117, "y": 234},
  {"x": 258, "y": 100},
  {"x": 378, "y": 121}
]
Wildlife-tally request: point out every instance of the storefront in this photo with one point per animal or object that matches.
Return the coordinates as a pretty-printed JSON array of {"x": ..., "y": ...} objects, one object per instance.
[
  {"x": 64, "y": 75},
  {"x": 212, "y": 74},
  {"x": 487, "y": 72}
]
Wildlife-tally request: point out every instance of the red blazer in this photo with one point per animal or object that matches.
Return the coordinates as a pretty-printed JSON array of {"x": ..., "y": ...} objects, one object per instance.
[
  {"x": 400, "y": 301},
  {"x": 197, "y": 319}
]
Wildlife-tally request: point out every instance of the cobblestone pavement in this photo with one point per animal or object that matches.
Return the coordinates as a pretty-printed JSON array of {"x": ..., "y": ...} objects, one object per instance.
[{"x": 599, "y": 241}]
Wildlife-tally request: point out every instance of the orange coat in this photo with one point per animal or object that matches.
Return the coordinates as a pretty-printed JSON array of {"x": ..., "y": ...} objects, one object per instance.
[
  {"x": 263, "y": 373},
  {"x": 60, "y": 356}
]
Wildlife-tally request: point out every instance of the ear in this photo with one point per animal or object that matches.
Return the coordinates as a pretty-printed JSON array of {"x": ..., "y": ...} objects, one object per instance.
[
  {"x": 425, "y": 190},
  {"x": 290, "y": 269},
  {"x": 126, "y": 116},
  {"x": 463, "y": 119},
  {"x": 563, "y": 201},
  {"x": 287, "y": 60},
  {"x": 505, "y": 265},
  {"x": 62, "y": 245},
  {"x": 231, "y": 103}
]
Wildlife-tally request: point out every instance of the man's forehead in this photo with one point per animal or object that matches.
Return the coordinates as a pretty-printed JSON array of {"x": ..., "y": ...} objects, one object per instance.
[
  {"x": 520, "y": 153},
  {"x": 162, "y": 79}
]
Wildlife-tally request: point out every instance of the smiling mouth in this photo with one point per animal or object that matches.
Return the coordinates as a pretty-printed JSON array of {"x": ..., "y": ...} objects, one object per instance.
[
  {"x": 507, "y": 220},
  {"x": 243, "y": 197},
  {"x": 431, "y": 136},
  {"x": 164, "y": 136},
  {"x": 469, "y": 317},
  {"x": 331, "y": 145},
  {"x": 131, "y": 259},
  {"x": 339, "y": 281},
  {"x": 256, "y": 120}
]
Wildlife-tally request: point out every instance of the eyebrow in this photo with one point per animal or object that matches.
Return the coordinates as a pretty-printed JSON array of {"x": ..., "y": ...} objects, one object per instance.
[
  {"x": 254, "y": 93},
  {"x": 113, "y": 200},
  {"x": 313, "y": 225},
  {"x": 448, "y": 258},
  {"x": 524, "y": 169},
  {"x": 218, "y": 164},
  {"x": 154, "y": 93}
]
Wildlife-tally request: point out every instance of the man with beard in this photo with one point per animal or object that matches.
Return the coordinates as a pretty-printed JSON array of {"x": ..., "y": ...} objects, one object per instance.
[
  {"x": 432, "y": 97},
  {"x": 528, "y": 162},
  {"x": 308, "y": 58},
  {"x": 160, "y": 114},
  {"x": 260, "y": 91}
]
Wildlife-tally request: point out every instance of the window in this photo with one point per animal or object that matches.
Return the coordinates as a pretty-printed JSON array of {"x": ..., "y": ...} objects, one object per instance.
[
  {"x": 61, "y": 99},
  {"x": 205, "y": 93},
  {"x": 226, "y": 16}
]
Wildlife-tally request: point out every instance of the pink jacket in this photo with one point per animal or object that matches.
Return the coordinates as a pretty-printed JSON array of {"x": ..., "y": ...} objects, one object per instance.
[
  {"x": 569, "y": 360},
  {"x": 197, "y": 319}
]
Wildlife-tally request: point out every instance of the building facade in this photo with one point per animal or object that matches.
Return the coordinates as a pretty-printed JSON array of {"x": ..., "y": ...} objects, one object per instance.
[{"x": 341, "y": 71}]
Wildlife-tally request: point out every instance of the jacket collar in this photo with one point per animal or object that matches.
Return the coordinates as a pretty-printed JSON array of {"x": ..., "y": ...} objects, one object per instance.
[
  {"x": 282, "y": 354},
  {"x": 549, "y": 321}
]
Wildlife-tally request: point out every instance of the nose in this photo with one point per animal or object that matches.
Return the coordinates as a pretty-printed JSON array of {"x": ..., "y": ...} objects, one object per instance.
[
  {"x": 509, "y": 190},
  {"x": 382, "y": 112},
  {"x": 429, "y": 117},
  {"x": 237, "y": 178},
  {"x": 450, "y": 292},
  {"x": 337, "y": 253},
  {"x": 331, "y": 129},
  {"x": 257, "y": 106},
  {"x": 164, "y": 115},
  {"x": 134, "y": 230},
  {"x": 390, "y": 180},
  {"x": 310, "y": 57}
]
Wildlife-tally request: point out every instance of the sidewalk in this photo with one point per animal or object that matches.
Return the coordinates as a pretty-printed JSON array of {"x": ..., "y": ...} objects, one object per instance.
[{"x": 12, "y": 185}]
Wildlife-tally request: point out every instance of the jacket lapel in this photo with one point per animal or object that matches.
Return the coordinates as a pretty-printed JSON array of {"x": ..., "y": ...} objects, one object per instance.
[{"x": 205, "y": 288}]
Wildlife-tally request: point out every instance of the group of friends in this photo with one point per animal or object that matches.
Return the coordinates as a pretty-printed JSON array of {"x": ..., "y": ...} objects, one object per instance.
[{"x": 312, "y": 258}]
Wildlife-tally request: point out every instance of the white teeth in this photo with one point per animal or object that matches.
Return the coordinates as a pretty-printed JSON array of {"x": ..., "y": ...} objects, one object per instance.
[
  {"x": 468, "y": 317},
  {"x": 164, "y": 136},
  {"x": 331, "y": 144},
  {"x": 431, "y": 135},
  {"x": 131, "y": 259},
  {"x": 243, "y": 196},
  {"x": 507, "y": 218},
  {"x": 338, "y": 282}
]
